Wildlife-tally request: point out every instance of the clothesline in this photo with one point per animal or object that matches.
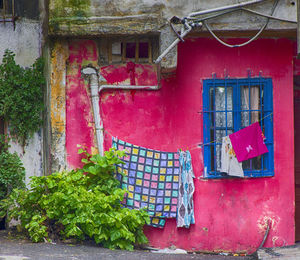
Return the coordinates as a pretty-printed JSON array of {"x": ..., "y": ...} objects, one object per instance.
[
  {"x": 216, "y": 140},
  {"x": 197, "y": 145},
  {"x": 188, "y": 147}
]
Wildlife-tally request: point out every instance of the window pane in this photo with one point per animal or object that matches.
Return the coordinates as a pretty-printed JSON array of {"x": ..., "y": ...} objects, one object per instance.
[
  {"x": 223, "y": 102},
  {"x": 250, "y": 101},
  {"x": 219, "y": 135},
  {"x": 253, "y": 164},
  {"x": 130, "y": 49},
  {"x": 143, "y": 50}
]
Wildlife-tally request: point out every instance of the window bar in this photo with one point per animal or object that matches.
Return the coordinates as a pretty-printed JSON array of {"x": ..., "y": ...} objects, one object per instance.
[
  {"x": 215, "y": 135},
  {"x": 150, "y": 51},
  {"x": 124, "y": 51},
  {"x": 225, "y": 105},
  {"x": 137, "y": 47},
  {"x": 109, "y": 45},
  {"x": 261, "y": 117},
  {"x": 249, "y": 110},
  {"x": 249, "y": 103},
  {"x": 13, "y": 13},
  {"x": 4, "y": 11}
]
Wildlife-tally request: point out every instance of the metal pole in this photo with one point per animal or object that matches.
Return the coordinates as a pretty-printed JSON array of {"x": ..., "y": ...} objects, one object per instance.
[
  {"x": 225, "y": 8},
  {"x": 184, "y": 33}
]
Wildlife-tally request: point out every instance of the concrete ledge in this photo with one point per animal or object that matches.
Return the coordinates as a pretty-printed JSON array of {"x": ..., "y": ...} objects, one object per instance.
[{"x": 113, "y": 25}]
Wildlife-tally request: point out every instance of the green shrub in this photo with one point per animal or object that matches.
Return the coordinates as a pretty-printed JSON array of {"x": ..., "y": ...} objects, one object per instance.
[
  {"x": 12, "y": 172},
  {"x": 83, "y": 203}
]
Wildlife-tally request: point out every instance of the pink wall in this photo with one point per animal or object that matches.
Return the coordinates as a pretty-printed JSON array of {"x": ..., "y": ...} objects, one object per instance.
[{"x": 230, "y": 214}]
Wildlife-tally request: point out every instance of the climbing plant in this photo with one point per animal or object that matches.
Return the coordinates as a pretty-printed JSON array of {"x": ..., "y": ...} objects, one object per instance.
[{"x": 21, "y": 96}]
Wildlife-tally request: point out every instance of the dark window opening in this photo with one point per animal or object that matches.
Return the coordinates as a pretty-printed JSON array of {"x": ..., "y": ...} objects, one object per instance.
[
  {"x": 1, "y": 4},
  {"x": 130, "y": 50},
  {"x": 143, "y": 50},
  {"x": 121, "y": 50}
]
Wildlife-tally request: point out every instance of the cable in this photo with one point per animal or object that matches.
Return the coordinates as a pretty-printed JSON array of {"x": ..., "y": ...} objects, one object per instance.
[
  {"x": 247, "y": 42},
  {"x": 268, "y": 16},
  {"x": 200, "y": 145}
]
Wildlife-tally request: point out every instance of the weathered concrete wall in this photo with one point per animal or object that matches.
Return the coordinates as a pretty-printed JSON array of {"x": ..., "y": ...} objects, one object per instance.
[
  {"x": 231, "y": 214},
  {"x": 91, "y": 12},
  {"x": 94, "y": 18},
  {"x": 26, "y": 42}
]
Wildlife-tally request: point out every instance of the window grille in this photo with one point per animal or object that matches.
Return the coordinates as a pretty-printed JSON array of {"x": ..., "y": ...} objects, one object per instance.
[
  {"x": 230, "y": 105},
  {"x": 7, "y": 11},
  {"x": 123, "y": 49}
]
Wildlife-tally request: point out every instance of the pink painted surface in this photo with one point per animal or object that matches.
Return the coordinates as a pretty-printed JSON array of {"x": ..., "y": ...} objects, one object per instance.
[
  {"x": 230, "y": 214},
  {"x": 79, "y": 116}
]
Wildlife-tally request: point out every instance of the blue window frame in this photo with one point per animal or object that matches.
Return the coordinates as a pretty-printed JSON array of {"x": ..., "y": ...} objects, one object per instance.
[{"x": 230, "y": 105}]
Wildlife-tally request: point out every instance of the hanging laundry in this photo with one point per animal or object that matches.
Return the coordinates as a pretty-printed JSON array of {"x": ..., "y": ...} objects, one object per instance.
[
  {"x": 229, "y": 162},
  {"x": 152, "y": 180},
  {"x": 185, "y": 206},
  {"x": 248, "y": 142}
]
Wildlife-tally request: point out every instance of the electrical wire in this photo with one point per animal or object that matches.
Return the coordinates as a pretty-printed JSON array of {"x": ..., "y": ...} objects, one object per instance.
[{"x": 250, "y": 40}]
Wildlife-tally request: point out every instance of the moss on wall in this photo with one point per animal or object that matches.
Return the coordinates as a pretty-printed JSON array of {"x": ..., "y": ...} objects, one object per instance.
[
  {"x": 69, "y": 8},
  {"x": 65, "y": 11}
]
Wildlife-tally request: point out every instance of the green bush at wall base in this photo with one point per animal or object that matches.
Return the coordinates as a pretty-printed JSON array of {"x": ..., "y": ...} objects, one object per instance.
[{"x": 83, "y": 203}]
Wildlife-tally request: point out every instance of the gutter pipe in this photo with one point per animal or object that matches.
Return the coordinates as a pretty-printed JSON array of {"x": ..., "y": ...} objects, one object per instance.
[{"x": 96, "y": 88}]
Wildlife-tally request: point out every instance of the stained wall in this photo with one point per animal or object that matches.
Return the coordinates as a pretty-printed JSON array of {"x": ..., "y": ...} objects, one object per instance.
[{"x": 230, "y": 214}]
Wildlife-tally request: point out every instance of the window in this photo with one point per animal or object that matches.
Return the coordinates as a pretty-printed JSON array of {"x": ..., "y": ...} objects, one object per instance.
[
  {"x": 6, "y": 7},
  {"x": 228, "y": 106},
  {"x": 7, "y": 12},
  {"x": 123, "y": 49}
]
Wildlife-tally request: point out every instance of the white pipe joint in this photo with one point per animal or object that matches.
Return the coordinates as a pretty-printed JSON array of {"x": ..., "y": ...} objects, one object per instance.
[
  {"x": 96, "y": 88},
  {"x": 92, "y": 74}
]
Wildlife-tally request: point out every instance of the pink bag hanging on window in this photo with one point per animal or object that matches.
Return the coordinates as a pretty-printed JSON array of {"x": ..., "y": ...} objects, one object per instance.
[{"x": 248, "y": 142}]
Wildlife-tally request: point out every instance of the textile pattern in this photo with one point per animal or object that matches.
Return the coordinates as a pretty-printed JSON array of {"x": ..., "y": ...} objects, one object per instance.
[
  {"x": 229, "y": 162},
  {"x": 152, "y": 180},
  {"x": 185, "y": 208}
]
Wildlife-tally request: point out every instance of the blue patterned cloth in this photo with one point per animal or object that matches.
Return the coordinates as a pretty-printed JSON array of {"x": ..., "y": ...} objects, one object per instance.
[
  {"x": 185, "y": 208},
  {"x": 152, "y": 180}
]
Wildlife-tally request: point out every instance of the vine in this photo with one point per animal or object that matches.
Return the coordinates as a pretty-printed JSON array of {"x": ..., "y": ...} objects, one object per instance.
[{"x": 21, "y": 96}]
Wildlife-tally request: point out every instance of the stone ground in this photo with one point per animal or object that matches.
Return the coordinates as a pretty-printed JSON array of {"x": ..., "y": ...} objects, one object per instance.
[
  {"x": 281, "y": 253},
  {"x": 12, "y": 248}
]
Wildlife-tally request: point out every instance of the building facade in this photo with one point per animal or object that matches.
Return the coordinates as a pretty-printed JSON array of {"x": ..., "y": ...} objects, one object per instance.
[{"x": 198, "y": 93}]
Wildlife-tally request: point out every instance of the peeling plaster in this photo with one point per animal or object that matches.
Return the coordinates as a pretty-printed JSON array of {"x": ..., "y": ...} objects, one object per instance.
[{"x": 59, "y": 56}]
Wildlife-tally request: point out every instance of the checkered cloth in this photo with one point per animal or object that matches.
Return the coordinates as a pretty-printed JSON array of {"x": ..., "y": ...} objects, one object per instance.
[{"x": 152, "y": 180}]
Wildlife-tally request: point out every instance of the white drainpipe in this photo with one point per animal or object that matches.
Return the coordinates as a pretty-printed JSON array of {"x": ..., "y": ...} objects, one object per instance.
[{"x": 96, "y": 89}]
